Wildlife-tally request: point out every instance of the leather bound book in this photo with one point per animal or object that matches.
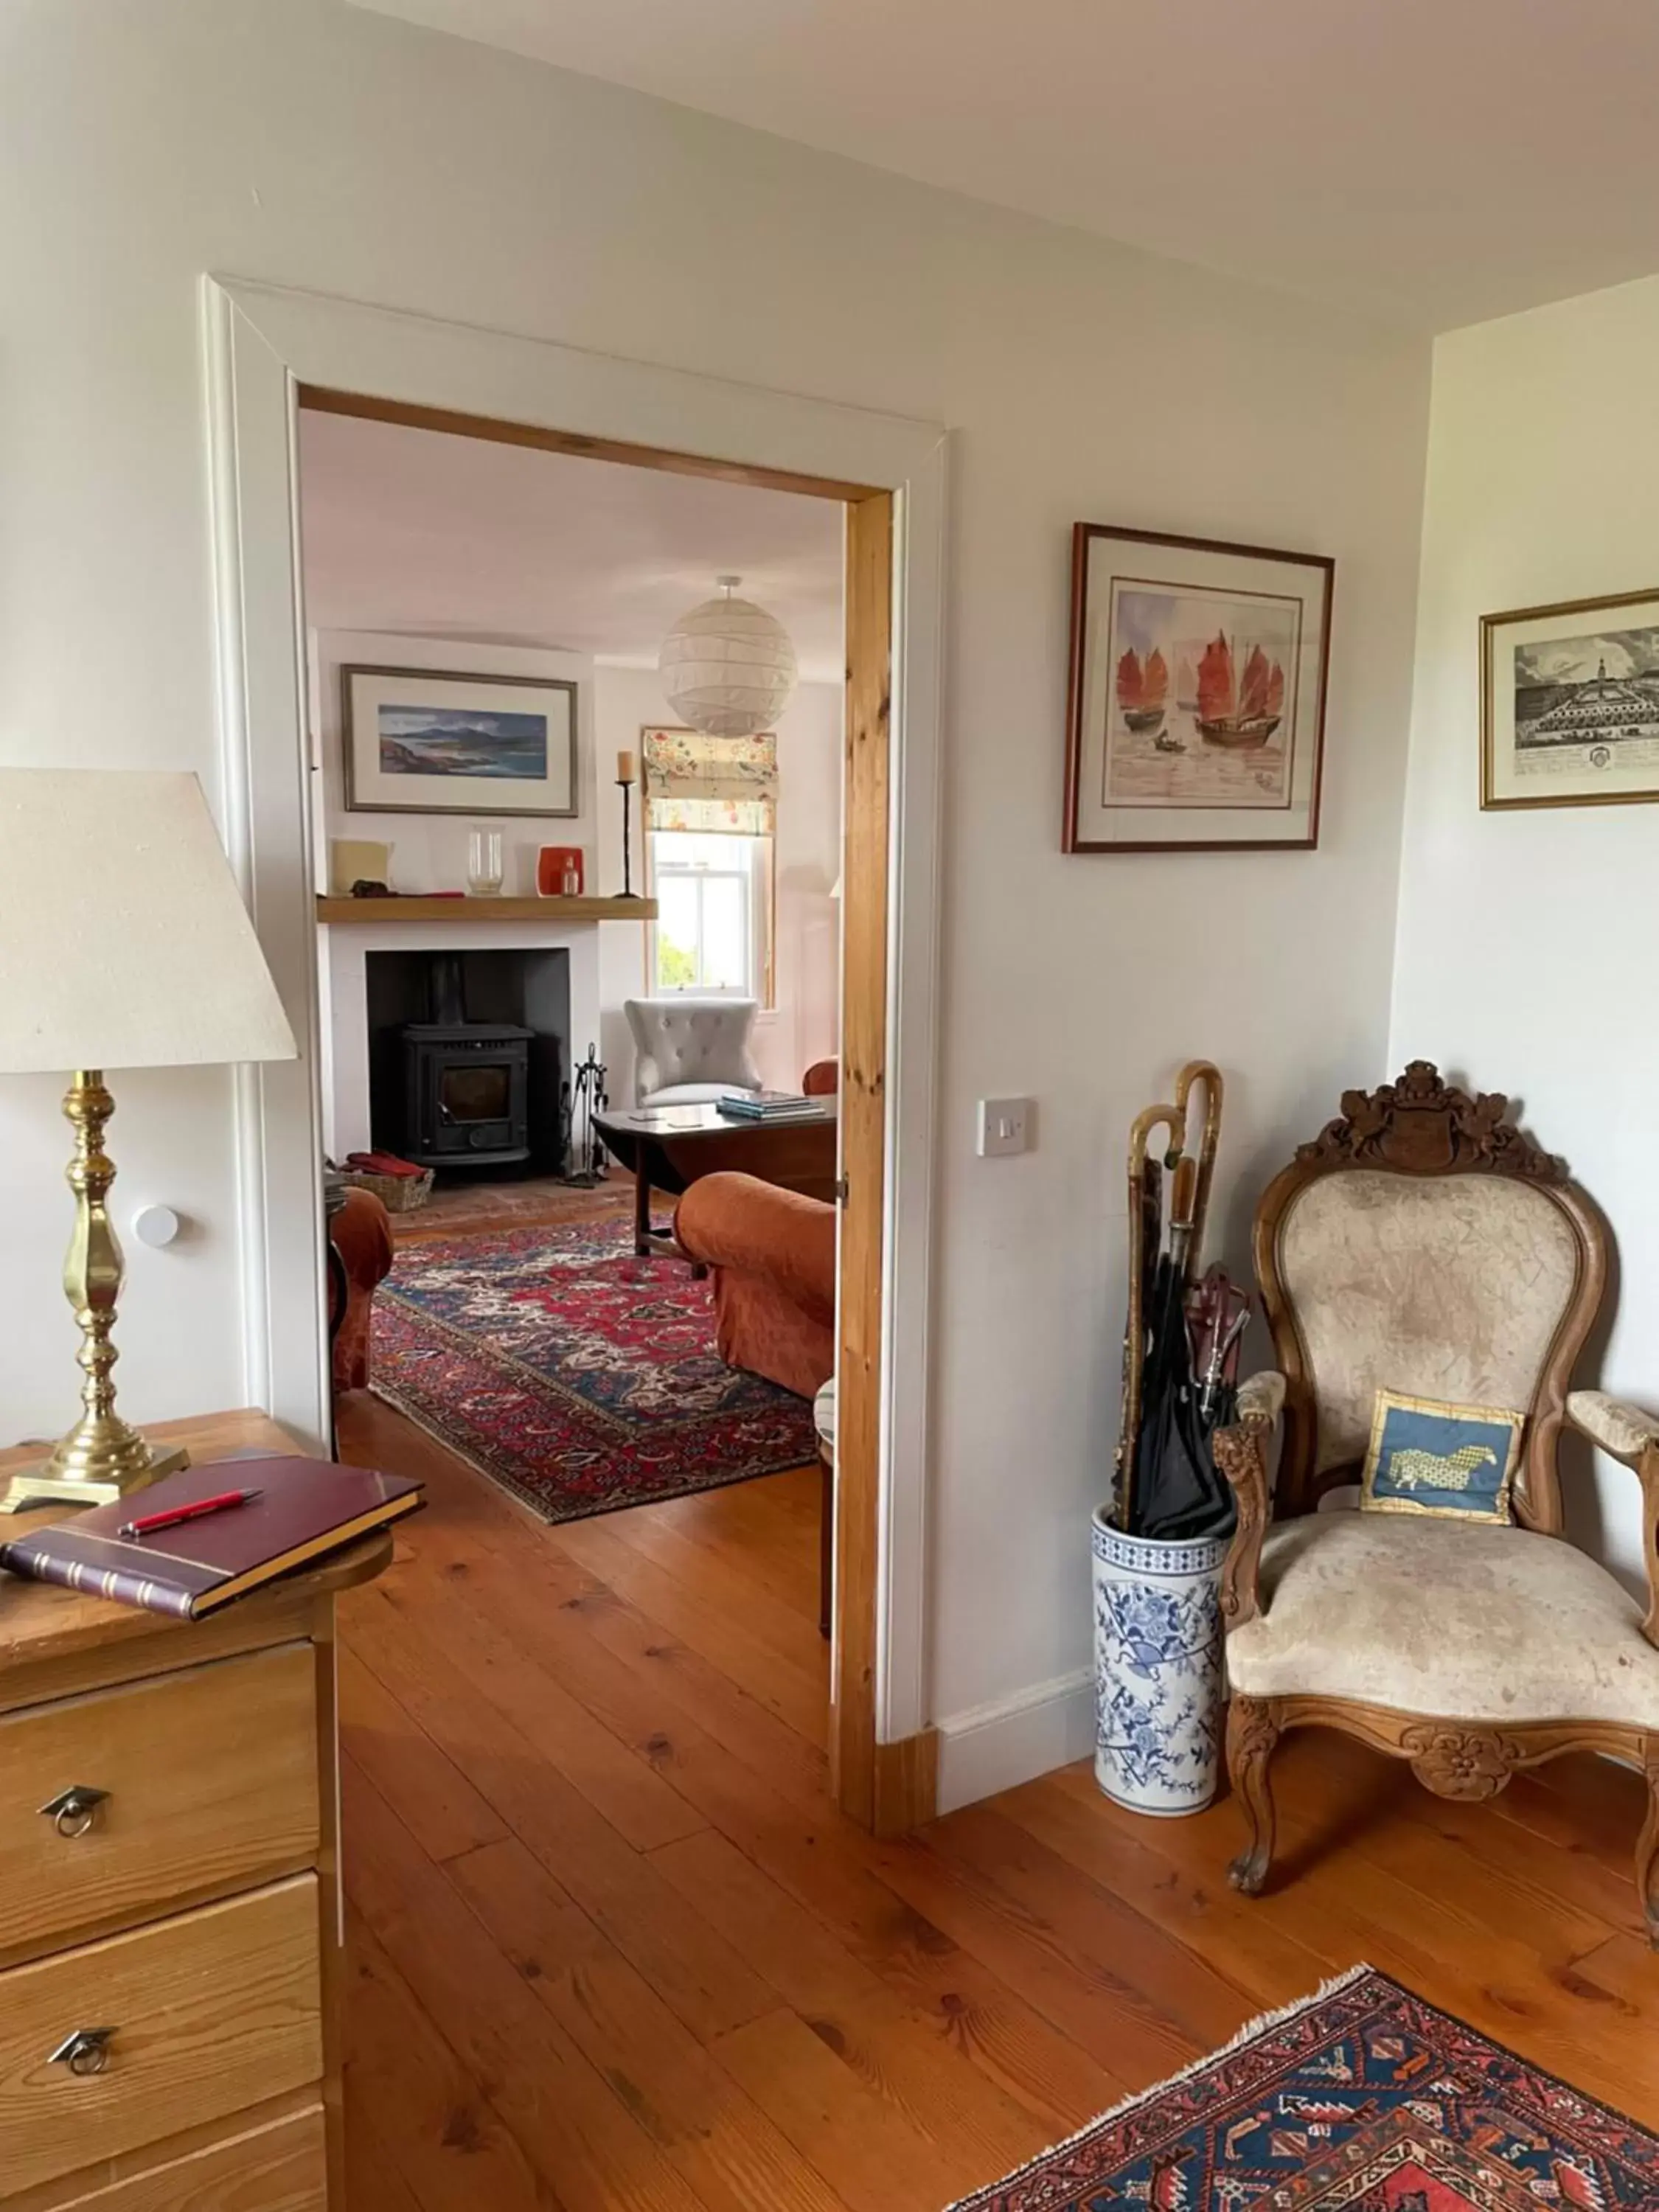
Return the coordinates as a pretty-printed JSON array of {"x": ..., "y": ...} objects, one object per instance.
[{"x": 306, "y": 1507}]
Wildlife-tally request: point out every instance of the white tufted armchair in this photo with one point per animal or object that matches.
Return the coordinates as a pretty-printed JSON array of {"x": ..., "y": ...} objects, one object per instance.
[
  {"x": 689, "y": 1052},
  {"x": 1422, "y": 1245}
]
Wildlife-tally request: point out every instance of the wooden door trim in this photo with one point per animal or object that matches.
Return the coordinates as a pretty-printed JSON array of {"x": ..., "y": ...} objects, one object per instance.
[
  {"x": 453, "y": 422},
  {"x": 906, "y": 1784},
  {"x": 266, "y": 347},
  {"x": 859, "y": 1339}
]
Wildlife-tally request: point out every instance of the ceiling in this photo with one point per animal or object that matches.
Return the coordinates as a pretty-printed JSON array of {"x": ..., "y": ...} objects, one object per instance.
[
  {"x": 415, "y": 530},
  {"x": 1435, "y": 161}
]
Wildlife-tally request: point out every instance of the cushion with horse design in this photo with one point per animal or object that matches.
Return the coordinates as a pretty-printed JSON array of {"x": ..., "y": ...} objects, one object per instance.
[{"x": 1426, "y": 1456}]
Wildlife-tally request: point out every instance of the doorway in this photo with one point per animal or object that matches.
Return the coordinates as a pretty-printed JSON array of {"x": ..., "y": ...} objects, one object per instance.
[{"x": 881, "y": 1757}]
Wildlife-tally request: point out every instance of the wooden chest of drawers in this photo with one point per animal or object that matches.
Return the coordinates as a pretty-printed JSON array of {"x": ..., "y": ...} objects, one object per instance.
[{"x": 169, "y": 1906}]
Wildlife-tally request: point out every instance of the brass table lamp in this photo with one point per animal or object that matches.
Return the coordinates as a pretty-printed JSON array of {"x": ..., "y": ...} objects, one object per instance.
[{"x": 142, "y": 957}]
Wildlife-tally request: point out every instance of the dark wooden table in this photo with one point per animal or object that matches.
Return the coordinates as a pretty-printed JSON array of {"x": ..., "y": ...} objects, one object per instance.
[{"x": 668, "y": 1147}]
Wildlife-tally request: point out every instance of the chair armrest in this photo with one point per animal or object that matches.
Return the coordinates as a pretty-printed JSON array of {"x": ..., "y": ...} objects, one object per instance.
[
  {"x": 648, "y": 1075},
  {"x": 360, "y": 1232},
  {"x": 1241, "y": 1453},
  {"x": 1261, "y": 1399},
  {"x": 736, "y": 1221},
  {"x": 1625, "y": 1433}
]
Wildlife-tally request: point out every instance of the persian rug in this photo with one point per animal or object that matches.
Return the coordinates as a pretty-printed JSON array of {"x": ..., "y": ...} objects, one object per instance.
[
  {"x": 1362, "y": 2097},
  {"x": 578, "y": 1376}
]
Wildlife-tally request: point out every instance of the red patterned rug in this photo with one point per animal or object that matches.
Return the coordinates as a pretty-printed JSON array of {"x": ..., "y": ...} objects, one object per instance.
[
  {"x": 579, "y": 1378},
  {"x": 1362, "y": 2097}
]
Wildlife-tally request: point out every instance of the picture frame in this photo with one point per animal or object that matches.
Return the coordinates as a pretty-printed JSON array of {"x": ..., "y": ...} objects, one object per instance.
[
  {"x": 430, "y": 741},
  {"x": 1195, "y": 713},
  {"x": 1556, "y": 731}
]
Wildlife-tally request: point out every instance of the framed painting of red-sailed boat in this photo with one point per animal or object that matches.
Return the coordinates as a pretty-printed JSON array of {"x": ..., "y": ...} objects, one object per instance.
[{"x": 1196, "y": 721}]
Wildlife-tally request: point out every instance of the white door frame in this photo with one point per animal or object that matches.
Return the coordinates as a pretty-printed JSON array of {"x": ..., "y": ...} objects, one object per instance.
[{"x": 261, "y": 344}]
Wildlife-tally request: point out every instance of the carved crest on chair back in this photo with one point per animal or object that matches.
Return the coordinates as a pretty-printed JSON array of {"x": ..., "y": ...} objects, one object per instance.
[{"x": 1421, "y": 1126}]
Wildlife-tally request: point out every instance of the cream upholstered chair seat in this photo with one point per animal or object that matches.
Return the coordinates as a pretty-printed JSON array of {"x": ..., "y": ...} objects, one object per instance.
[
  {"x": 690, "y": 1051},
  {"x": 1452, "y": 1619}
]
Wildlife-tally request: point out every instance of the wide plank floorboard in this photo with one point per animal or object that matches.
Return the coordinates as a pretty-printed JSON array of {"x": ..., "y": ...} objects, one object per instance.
[{"x": 611, "y": 1944}]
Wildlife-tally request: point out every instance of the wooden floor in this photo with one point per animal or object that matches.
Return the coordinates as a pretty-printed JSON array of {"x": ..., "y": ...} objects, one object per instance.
[
  {"x": 610, "y": 1947},
  {"x": 460, "y": 1205}
]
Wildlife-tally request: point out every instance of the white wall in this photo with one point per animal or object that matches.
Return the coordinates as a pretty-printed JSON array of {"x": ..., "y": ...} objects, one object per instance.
[
  {"x": 1525, "y": 957},
  {"x": 803, "y": 1026},
  {"x": 308, "y": 144}
]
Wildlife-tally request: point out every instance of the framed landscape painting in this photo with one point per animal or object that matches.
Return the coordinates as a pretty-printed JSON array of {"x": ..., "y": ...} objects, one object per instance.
[
  {"x": 1196, "y": 719},
  {"x": 1569, "y": 704},
  {"x": 421, "y": 742}
]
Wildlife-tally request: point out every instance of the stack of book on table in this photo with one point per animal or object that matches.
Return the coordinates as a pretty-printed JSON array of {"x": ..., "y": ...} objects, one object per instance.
[{"x": 769, "y": 1106}]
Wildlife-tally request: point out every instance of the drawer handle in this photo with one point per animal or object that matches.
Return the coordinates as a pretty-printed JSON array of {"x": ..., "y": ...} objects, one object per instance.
[
  {"x": 73, "y": 1811},
  {"x": 86, "y": 2051}
]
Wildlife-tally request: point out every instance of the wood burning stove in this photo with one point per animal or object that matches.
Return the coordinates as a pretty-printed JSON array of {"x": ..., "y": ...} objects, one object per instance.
[
  {"x": 466, "y": 1093},
  {"x": 467, "y": 1056}
]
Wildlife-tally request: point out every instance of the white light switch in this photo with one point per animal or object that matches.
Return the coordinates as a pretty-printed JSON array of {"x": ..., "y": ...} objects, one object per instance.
[{"x": 1004, "y": 1125}]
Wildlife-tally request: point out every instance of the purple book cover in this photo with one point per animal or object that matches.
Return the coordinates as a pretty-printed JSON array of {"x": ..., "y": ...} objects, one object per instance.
[{"x": 306, "y": 1507}]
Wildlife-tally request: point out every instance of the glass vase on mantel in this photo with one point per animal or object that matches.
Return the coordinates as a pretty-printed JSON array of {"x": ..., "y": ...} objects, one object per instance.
[{"x": 484, "y": 864}]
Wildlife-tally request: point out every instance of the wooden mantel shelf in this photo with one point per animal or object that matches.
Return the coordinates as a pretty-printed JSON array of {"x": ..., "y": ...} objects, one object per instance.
[{"x": 486, "y": 910}]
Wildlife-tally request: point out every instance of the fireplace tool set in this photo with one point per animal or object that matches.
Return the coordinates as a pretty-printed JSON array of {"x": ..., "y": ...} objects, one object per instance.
[
  {"x": 1181, "y": 1342},
  {"x": 580, "y": 1101}
]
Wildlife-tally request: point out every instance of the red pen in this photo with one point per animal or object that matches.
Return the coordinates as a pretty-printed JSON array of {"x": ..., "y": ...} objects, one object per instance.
[{"x": 147, "y": 1523}]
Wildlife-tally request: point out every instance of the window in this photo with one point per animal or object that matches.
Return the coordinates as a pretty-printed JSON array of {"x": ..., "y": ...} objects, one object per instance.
[
  {"x": 711, "y": 811},
  {"x": 714, "y": 910}
]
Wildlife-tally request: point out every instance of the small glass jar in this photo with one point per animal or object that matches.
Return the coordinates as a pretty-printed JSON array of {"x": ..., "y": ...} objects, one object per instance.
[{"x": 483, "y": 863}]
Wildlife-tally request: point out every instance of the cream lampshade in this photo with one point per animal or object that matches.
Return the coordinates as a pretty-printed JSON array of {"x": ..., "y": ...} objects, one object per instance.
[{"x": 124, "y": 943}]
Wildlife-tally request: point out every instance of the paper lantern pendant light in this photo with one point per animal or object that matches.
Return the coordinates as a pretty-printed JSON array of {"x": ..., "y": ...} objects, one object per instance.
[{"x": 728, "y": 667}]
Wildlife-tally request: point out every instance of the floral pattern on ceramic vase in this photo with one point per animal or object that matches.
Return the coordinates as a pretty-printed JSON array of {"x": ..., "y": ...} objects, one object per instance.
[{"x": 1157, "y": 1670}]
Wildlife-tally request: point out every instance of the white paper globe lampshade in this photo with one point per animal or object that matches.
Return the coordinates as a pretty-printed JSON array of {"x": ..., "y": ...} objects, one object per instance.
[{"x": 728, "y": 667}]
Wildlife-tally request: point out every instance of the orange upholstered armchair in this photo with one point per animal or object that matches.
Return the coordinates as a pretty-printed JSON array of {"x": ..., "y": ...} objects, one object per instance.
[
  {"x": 359, "y": 1238},
  {"x": 772, "y": 1254}
]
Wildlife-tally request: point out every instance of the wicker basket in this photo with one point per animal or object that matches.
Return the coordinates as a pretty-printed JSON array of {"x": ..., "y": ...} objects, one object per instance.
[{"x": 397, "y": 1194}]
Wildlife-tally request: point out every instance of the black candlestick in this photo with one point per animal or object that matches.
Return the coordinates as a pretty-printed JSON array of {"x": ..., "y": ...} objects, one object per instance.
[{"x": 625, "y": 785}]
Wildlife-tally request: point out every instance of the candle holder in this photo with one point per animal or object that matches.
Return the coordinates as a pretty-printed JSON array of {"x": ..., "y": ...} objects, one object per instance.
[{"x": 625, "y": 785}]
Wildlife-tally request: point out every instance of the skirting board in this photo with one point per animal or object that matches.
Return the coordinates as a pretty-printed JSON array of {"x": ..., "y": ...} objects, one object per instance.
[{"x": 995, "y": 1747}]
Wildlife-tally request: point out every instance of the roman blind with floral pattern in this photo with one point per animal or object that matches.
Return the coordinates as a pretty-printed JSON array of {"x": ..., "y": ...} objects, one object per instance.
[{"x": 725, "y": 785}]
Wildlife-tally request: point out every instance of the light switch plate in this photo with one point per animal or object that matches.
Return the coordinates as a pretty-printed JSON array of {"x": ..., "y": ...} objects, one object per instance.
[{"x": 1004, "y": 1125}]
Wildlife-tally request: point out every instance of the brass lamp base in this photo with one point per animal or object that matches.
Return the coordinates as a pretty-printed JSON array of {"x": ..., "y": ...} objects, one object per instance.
[
  {"x": 78, "y": 1475},
  {"x": 103, "y": 1457}
]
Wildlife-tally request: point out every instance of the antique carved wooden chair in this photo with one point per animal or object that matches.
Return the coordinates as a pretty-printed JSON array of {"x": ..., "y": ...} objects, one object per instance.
[{"x": 1421, "y": 1244}]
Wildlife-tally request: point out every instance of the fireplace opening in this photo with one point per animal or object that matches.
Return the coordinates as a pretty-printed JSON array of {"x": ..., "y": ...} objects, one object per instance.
[{"x": 468, "y": 1056}]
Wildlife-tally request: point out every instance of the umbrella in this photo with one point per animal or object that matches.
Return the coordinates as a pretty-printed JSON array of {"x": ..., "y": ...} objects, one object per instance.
[
  {"x": 1180, "y": 1350},
  {"x": 1179, "y": 1492}
]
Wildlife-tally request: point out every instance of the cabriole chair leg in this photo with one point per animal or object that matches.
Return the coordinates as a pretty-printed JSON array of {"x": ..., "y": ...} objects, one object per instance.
[{"x": 1251, "y": 1738}]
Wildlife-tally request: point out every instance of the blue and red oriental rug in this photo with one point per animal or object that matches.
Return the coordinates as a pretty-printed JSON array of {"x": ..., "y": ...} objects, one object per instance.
[
  {"x": 1364, "y": 2099},
  {"x": 579, "y": 1378}
]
